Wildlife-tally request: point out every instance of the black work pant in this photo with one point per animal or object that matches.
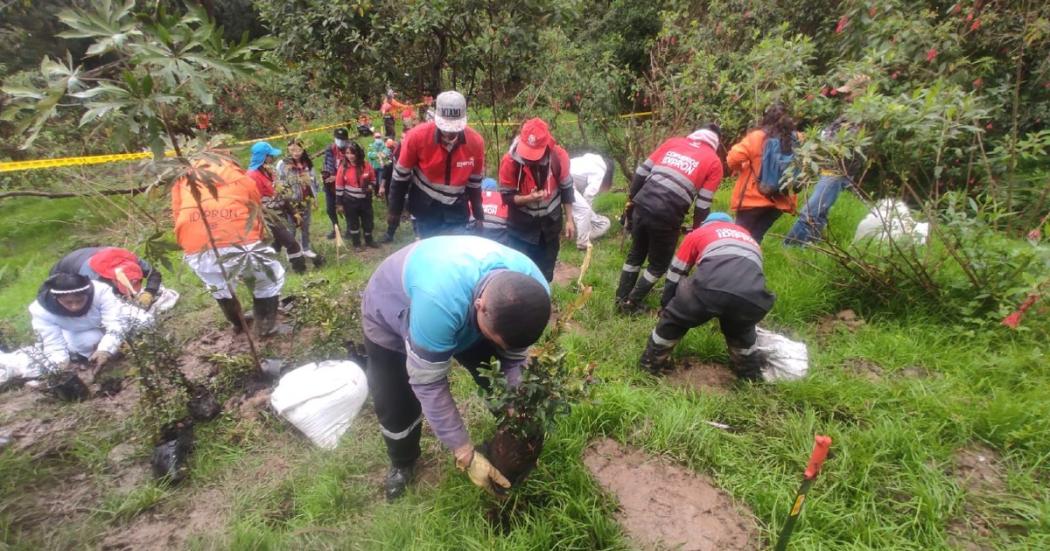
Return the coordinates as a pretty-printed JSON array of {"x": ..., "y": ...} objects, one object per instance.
[
  {"x": 400, "y": 415},
  {"x": 330, "y": 204},
  {"x": 388, "y": 126},
  {"x": 757, "y": 221},
  {"x": 359, "y": 217},
  {"x": 656, "y": 242},
  {"x": 544, "y": 253},
  {"x": 693, "y": 305},
  {"x": 283, "y": 237}
]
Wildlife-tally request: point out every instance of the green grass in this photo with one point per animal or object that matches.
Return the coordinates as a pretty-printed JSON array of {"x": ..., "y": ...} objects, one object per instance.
[{"x": 889, "y": 483}]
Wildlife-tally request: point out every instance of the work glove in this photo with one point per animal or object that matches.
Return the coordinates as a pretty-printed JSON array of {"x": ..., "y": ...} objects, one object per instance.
[
  {"x": 625, "y": 216},
  {"x": 99, "y": 358},
  {"x": 145, "y": 299},
  {"x": 483, "y": 474}
]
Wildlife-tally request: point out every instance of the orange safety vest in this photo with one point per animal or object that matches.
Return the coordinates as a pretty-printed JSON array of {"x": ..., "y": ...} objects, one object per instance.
[{"x": 227, "y": 214}]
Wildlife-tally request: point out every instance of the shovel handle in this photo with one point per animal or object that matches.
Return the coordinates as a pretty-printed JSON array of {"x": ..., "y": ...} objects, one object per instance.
[{"x": 821, "y": 444}]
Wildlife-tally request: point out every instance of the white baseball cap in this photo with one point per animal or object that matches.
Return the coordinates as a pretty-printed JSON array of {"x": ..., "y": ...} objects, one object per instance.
[{"x": 450, "y": 111}]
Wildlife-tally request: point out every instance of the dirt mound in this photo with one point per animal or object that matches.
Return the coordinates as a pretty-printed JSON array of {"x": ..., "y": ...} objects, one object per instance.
[
  {"x": 195, "y": 361},
  {"x": 978, "y": 470},
  {"x": 667, "y": 506},
  {"x": 702, "y": 376},
  {"x": 864, "y": 368},
  {"x": 844, "y": 321},
  {"x": 565, "y": 274}
]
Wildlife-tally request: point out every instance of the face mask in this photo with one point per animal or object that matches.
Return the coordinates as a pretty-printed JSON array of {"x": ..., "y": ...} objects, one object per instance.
[{"x": 340, "y": 143}]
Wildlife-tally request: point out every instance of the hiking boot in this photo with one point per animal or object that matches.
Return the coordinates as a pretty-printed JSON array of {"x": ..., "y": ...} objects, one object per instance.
[
  {"x": 397, "y": 480},
  {"x": 656, "y": 360},
  {"x": 231, "y": 308},
  {"x": 298, "y": 263},
  {"x": 747, "y": 363},
  {"x": 318, "y": 260}
]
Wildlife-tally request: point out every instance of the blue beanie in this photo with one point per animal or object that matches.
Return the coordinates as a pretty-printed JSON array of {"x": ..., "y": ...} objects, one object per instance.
[
  {"x": 717, "y": 217},
  {"x": 260, "y": 150}
]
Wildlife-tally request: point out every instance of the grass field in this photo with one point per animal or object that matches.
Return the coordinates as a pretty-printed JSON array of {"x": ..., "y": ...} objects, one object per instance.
[{"x": 902, "y": 395}]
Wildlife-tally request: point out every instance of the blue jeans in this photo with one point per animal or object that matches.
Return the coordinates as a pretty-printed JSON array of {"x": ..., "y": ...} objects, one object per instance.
[{"x": 814, "y": 216}]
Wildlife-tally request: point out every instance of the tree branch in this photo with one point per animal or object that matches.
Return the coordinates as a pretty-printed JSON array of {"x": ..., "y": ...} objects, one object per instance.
[{"x": 63, "y": 195}]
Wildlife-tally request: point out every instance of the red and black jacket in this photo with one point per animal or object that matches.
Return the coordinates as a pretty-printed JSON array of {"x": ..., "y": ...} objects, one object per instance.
[
  {"x": 550, "y": 174},
  {"x": 727, "y": 260},
  {"x": 679, "y": 174},
  {"x": 443, "y": 181}
]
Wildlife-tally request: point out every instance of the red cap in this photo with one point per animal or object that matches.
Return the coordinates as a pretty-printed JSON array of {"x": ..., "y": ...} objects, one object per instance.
[
  {"x": 533, "y": 140},
  {"x": 107, "y": 261}
]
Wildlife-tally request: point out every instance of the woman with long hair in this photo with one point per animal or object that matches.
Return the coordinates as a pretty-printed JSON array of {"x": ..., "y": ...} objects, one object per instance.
[
  {"x": 298, "y": 187},
  {"x": 755, "y": 209},
  {"x": 354, "y": 182}
]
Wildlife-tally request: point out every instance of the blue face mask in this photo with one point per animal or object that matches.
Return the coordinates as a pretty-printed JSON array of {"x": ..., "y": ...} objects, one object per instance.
[
  {"x": 378, "y": 141},
  {"x": 341, "y": 143}
]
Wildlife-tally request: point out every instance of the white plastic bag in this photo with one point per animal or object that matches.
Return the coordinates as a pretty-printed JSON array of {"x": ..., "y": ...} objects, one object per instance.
[
  {"x": 321, "y": 399},
  {"x": 890, "y": 217},
  {"x": 786, "y": 360}
]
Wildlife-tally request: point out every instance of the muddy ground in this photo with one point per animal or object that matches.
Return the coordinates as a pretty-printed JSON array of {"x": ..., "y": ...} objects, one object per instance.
[{"x": 666, "y": 506}]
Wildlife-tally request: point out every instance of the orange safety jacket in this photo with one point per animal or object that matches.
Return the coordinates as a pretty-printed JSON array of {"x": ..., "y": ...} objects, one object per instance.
[
  {"x": 745, "y": 159},
  {"x": 237, "y": 201}
]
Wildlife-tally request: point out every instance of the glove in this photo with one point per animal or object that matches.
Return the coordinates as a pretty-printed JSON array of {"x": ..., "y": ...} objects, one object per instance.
[
  {"x": 483, "y": 474},
  {"x": 145, "y": 299},
  {"x": 625, "y": 217},
  {"x": 99, "y": 358}
]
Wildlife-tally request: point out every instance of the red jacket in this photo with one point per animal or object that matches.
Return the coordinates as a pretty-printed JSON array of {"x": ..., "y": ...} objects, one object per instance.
[
  {"x": 354, "y": 181},
  {"x": 442, "y": 176},
  {"x": 495, "y": 209},
  {"x": 679, "y": 174},
  {"x": 728, "y": 260},
  {"x": 516, "y": 177}
]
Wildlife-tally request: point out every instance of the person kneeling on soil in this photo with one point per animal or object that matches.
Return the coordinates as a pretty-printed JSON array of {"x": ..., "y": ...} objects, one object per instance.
[
  {"x": 729, "y": 284},
  {"x": 233, "y": 214},
  {"x": 446, "y": 297},
  {"x": 117, "y": 268},
  {"x": 74, "y": 318}
]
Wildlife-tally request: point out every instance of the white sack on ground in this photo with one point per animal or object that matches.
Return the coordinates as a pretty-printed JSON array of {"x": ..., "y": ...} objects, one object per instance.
[
  {"x": 321, "y": 399},
  {"x": 891, "y": 217},
  {"x": 786, "y": 360}
]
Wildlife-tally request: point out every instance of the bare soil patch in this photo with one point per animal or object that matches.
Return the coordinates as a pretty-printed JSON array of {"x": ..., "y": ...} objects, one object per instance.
[
  {"x": 978, "y": 469},
  {"x": 206, "y": 514},
  {"x": 864, "y": 368},
  {"x": 195, "y": 361},
  {"x": 702, "y": 376},
  {"x": 845, "y": 321},
  {"x": 565, "y": 274},
  {"x": 665, "y": 506}
]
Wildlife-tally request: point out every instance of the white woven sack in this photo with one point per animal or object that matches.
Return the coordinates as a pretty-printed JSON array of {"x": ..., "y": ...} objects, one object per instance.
[
  {"x": 321, "y": 399},
  {"x": 786, "y": 360}
]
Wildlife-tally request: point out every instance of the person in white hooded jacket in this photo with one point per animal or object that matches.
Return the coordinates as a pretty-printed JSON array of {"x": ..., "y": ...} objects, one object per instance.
[
  {"x": 73, "y": 315},
  {"x": 590, "y": 174}
]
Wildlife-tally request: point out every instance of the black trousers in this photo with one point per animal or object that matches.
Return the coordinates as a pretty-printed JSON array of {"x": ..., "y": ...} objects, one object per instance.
[
  {"x": 283, "y": 237},
  {"x": 388, "y": 126},
  {"x": 654, "y": 241},
  {"x": 757, "y": 221},
  {"x": 693, "y": 305},
  {"x": 544, "y": 253},
  {"x": 330, "y": 203},
  {"x": 359, "y": 217},
  {"x": 396, "y": 405}
]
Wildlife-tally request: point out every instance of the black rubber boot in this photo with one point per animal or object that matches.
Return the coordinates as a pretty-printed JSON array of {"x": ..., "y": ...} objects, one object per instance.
[
  {"x": 747, "y": 363},
  {"x": 369, "y": 242},
  {"x": 231, "y": 308},
  {"x": 627, "y": 280},
  {"x": 397, "y": 480},
  {"x": 298, "y": 264},
  {"x": 641, "y": 290},
  {"x": 266, "y": 315},
  {"x": 656, "y": 360},
  {"x": 318, "y": 260},
  {"x": 355, "y": 239}
]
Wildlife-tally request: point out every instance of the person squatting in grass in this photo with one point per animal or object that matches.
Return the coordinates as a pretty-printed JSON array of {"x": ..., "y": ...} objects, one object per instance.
[
  {"x": 234, "y": 214},
  {"x": 810, "y": 224},
  {"x": 754, "y": 210},
  {"x": 105, "y": 263},
  {"x": 74, "y": 318},
  {"x": 332, "y": 154},
  {"x": 729, "y": 284},
  {"x": 262, "y": 157},
  {"x": 446, "y": 297},
  {"x": 444, "y": 162},
  {"x": 535, "y": 183},
  {"x": 683, "y": 172},
  {"x": 297, "y": 190},
  {"x": 591, "y": 174},
  {"x": 354, "y": 181}
]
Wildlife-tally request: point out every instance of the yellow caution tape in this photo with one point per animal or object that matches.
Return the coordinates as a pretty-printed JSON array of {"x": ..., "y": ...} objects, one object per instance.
[{"x": 40, "y": 164}]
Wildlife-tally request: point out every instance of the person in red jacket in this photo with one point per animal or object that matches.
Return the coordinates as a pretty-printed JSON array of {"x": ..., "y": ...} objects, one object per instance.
[
  {"x": 262, "y": 158},
  {"x": 729, "y": 284},
  {"x": 354, "y": 182},
  {"x": 494, "y": 226},
  {"x": 444, "y": 162},
  {"x": 536, "y": 185},
  {"x": 683, "y": 173}
]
